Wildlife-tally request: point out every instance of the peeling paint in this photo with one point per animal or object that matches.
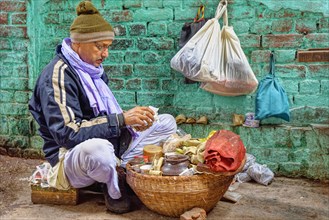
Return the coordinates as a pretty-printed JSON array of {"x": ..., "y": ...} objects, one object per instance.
[{"x": 321, "y": 6}]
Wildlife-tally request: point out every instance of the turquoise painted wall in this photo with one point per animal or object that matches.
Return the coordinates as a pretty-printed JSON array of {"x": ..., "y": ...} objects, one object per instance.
[{"x": 147, "y": 32}]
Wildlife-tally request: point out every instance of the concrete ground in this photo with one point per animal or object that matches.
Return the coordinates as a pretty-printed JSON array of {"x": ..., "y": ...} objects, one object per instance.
[{"x": 284, "y": 198}]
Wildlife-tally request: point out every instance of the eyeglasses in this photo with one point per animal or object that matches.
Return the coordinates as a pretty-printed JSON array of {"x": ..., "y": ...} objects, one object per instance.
[{"x": 102, "y": 48}]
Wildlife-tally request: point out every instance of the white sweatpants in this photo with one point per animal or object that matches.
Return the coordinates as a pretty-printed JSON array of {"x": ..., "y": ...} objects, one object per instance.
[{"x": 94, "y": 160}]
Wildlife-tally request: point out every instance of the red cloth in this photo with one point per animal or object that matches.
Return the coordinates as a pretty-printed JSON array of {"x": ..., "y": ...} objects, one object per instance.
[{"x": 224, "y": 151}]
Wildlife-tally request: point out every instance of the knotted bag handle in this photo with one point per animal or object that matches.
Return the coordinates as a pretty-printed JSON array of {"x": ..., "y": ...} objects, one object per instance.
[
  {"x": 221, "y": 8},
  {"x": 200, "y": 12},
  {"x": 225, "y": 16}
]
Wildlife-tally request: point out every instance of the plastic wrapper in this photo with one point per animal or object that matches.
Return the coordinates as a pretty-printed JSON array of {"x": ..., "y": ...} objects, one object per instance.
[
  {"x": 174, "y": 141},
  {"x": 156, "y": 117},
  {"x": 260, "y": 173},
  {"x": 181, "y": 132},
  {"x": 251, "y": 159},
  {"x": 39, "y": 176},
  {"x": 243, "y": 177}
]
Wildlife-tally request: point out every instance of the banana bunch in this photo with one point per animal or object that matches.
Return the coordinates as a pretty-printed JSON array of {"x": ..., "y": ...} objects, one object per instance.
[
  {"x": 191, "y": 142},
  {"x": 198, "y": 157},
  {"x": 188, "y": 145},
  {"x": 209, "y": 136},
  {"x": 156, "y": 167},
  {"x": 194, "y": 149}
]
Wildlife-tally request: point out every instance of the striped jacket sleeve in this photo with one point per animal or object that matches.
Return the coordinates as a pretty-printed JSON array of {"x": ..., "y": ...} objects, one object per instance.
[{"x": 63, "y": 114}]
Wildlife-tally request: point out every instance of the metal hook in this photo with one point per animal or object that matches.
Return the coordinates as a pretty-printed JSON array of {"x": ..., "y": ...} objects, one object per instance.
[
  {"x": 223, "y": 2},
  {"x": 202, "y": 3}
]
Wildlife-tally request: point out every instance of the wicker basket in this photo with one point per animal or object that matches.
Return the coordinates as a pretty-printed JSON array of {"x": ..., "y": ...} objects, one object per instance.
[{"x": 173, "y": 195}]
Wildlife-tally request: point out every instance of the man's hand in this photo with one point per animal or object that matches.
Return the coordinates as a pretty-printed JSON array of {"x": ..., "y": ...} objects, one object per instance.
[{"x": 140, "y": 118}]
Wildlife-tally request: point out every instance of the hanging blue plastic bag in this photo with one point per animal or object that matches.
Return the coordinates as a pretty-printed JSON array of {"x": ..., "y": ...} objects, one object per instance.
[{"x": 271, "y": 98}]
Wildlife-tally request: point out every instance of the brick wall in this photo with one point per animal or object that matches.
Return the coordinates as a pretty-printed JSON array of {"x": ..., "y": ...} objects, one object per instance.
[
  {"x": 14, "y": 43},
  {"x": 147, "y": 32}
]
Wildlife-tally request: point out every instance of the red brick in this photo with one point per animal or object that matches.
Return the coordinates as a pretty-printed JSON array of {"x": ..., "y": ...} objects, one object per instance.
[
  {"x": 53, "y": 18},
  {"x": 283, "y": 40},
  {"x": 3, "y": 18},
  {"x": 313, "y": 55},
  {"x": 13, "y": 6},
  {"x": 290, "y": 71},
  {"x": 20, "y": 45},
  {"x": 306, "y": 25},
  {"x": 151, "y": 84},
  {"x": 18, "y": 18},
  {"x": 261, "y": 27},
  {"x": 318, "y": 37},
  {"x": 283, "y": 13},
  {"x": 282, "y": 25},
  {"x": 260, "y": 56},
  {"x": 134, "y": 84},
  {"x": 11, "y": 31},
  {"x": 324, "y": 23},
  {"x": 318, "y": 40},
  {"x": 194, "y": 214},
  {"x": 319, "y": 70},
  {"x": 121, "y": 16},
  {"x": 249, "y": 40}
]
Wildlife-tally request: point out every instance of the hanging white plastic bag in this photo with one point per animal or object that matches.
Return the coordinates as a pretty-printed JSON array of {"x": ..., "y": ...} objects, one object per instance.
[
  {"x": 215, "y": 57},
  {"x": 235, "y": 76},
  {"x": 198, "y": 59}
]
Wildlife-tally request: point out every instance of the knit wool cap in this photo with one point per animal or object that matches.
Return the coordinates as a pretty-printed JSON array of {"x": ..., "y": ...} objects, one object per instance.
[{"x": 90, "y": 26}]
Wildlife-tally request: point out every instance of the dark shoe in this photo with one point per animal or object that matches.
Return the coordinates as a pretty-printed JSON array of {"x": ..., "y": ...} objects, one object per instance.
[
  {"x": 123, "y": 204},
  {"x": 94, "y": 188}
]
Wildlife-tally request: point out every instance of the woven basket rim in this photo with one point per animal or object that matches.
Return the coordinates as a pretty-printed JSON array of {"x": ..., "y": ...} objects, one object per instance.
[{"x": 139, "y": 175}]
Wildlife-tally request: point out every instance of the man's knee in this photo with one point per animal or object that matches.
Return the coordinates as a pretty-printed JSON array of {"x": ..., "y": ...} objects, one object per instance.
[
  {"x": 168, "y": 122},
  {"x": 97, "y": 149}
]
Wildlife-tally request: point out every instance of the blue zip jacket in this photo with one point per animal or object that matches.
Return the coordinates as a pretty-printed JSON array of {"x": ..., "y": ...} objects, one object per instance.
[{"x": 61, "y": 107}]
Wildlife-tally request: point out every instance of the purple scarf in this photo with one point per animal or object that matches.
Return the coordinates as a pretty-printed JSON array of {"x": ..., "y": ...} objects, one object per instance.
[{"x": 99, "y": 94}]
